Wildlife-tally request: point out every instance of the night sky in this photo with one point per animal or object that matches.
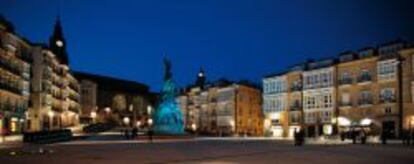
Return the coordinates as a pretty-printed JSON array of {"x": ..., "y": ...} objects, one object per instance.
[{"x": 236, "y": 39}]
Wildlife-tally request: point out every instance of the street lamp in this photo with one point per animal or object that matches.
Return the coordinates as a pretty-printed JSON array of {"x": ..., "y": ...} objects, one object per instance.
[
  {"x": 138, "y": 124},
  {"x": 412, "y": 121},
  {"x": 51, "y": 114},
  {"x": 412, "y": 124},
  {"x": 107, "y": 110},
  {"x": 149, "y": 109},
  {"x": 93, "y": 115},
  {"x": 126, "y": 121},
  {"x": 194, "y": 127},
  {"x": 150, "y": 122}
]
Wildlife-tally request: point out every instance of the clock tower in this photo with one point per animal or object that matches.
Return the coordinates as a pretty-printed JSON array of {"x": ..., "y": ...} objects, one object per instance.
[{"x": 57, "y": 43}]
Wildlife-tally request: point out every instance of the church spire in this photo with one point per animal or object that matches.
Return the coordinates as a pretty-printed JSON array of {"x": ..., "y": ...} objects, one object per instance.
[
  {"x": 57, "y": 42},
  {"x": 201, "y": 79}
]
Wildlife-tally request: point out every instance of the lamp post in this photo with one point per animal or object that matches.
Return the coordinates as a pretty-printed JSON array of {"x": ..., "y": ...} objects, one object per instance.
[
  {"x": 194, "y": 128},
  {"x": 335, "y": 125},
  {"x": 51, "y": 114},
  {"x": 150, "y": 132},
  {"x": 150, "y": 122},
  {"x": 411, "y": 130},
  {"x": 149, "y": 110},
  {"x": 3, "y": 137},
  {"x": 138, "y": 124}
]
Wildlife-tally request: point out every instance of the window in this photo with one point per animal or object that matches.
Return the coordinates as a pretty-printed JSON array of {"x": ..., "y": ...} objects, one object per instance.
[
  {"x": 387, "y": 69},
  {"x": 365, "y": 98},
  {"x": 365, "y": 75},
  {"x": 345, "y": 75},
  {"x": 388, "y": 110},
  {"x": 387, "y": 94},
  {"x": 294, "y": 118},
  {"x": 365, "y": 94},
  {"x": 345, "y": 98}
]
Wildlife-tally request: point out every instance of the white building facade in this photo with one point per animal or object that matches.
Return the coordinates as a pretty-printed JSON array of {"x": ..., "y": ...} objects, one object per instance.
[
  {"x": 319, "y": 100},
  {"x": 274, "y": 104}
]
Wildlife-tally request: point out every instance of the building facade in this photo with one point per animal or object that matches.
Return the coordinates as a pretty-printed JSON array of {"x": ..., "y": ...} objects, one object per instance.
[
  {"x": 37, "y": 91},
  {"x": 107, "y": 99},
  {"x": 55, "y": 92},
  {"x": 15, "y": 65},
  {"x": 368, "y": 91},
  {"x": 222, "y": 108},
  {"x": 319, "y": 93},
  {"x": 295, "y": 96},
  {"x": 275, "y": 103}
]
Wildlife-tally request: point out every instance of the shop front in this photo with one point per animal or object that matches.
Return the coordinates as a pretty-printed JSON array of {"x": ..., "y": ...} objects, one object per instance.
[
  {"x": 11, "y": 125},
  {"x": 292, "y": 130},
  {"x": 348, "y": 127}
]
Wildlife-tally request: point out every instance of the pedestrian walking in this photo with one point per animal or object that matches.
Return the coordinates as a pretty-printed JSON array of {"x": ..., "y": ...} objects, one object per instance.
[
  {"x": 301, "y": 137},
  {"x": 127, "y": 134},
  {"x": 354, "y": 137},
  {"x": 384, "y": 138},
  {"x": 342, "y": 136},
  {"x": 406, "y": 137},
  {"x": 150, "y": 134},
  {"x": 296, "y": 138},
  {"x": 134, "y": 132},
  {"x": 363, "y": 137}
]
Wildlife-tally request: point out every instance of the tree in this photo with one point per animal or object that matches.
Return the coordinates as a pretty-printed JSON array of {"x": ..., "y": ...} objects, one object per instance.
[{"x": 119, "y": 103}]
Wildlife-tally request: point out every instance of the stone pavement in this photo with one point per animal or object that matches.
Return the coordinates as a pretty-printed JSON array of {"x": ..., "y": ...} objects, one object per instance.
[{"x": 210, "y": 150}]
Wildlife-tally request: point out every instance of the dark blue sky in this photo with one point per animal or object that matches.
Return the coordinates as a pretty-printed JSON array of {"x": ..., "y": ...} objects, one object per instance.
[{"x": 236, "y": 39}]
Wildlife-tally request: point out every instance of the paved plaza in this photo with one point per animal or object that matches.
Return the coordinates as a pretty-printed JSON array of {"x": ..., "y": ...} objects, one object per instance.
[{"x": 205, "y": 150}]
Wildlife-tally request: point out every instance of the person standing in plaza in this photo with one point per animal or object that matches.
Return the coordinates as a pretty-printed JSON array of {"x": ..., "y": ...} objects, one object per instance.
[
  {"x": 411, "y": 138},
  {"x": 384, "y": 137},
  {"x": 296, "y": 137},
  {"x": 150, "y": 134},
  {"x": 134, "y": 132}
]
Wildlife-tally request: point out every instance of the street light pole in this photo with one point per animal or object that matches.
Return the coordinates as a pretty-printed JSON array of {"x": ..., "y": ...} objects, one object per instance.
[
  {"x": 400, "y": 61},
  {"x": 411, "y": 137}
]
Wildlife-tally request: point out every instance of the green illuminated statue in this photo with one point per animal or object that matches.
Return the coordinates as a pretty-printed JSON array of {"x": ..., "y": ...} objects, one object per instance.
[{"x": 168, "y": 118}]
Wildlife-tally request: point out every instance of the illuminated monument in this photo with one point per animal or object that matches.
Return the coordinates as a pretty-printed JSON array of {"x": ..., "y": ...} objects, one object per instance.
[{"x": 168, "y": 118}]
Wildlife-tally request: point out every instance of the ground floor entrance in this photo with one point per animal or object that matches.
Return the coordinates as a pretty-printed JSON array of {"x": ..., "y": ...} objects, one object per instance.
[
  {"x": 388, "y": 128},
  {"x": 318, "y": 130}
]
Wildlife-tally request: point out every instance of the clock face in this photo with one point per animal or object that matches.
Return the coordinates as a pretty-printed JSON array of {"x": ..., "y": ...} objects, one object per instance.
[
  {"x": 59, "y": 43},
  {"x": 200, "y": 74}
]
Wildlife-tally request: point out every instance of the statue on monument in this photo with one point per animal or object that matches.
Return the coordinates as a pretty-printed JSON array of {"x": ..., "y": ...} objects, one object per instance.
[{"x": 168, "y": 117}]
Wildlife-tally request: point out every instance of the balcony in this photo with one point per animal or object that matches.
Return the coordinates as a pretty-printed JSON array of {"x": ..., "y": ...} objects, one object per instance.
[
  {"x": 365, "y": 102},
  {"x": 74, "y": 86},
  {"x": 74, "y": 108},
  {"x": 26, "y": 56},
  {"x": 364, "y": 79},
  {"x": 57, "y": 108},
  {"x": 74, "y": 97},
  {"x": 6, "y": 86},
  {"x": 345, "y": 104},
  {"x": 296, "y": 107},
  {"x": 295, "y": 88},
  {"x": 10, "y": 67},
  {"x": 386, "y": 100},
  {"x": 345, "y": 81}
]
